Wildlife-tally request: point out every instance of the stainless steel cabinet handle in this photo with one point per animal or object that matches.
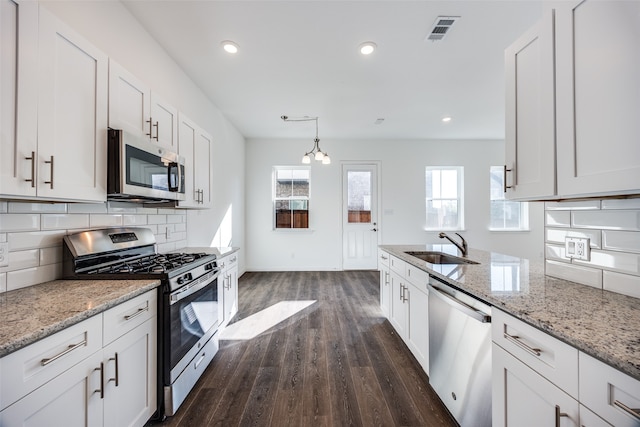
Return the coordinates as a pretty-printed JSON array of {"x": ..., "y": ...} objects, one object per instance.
[
  {"x": 45, "y": 362},
  {"x": 462, "y": 306},
  {"x": 199, "y": 361},
  {"x": 386, "y": 277},
  {"x": 516, "y": 340},
  {"x": 559, "y": 415},
  {"x": 634, "y": 412},
  {"x": 150, "y": 121},
  {"x": 116, "y": 379},
  {"x": 504, "y": 178},
  {"x": 137, "y": 313},
  {"x": 157, "y": 126},
  {"x": 51, "y": 181},
  {"x": 234, "y": 259},
  {"x": 404, "y": 294},
  {"x": 383, "y": 257},
  {"x": 33, "y": 169},
  {"x": 101, "y": 389}
]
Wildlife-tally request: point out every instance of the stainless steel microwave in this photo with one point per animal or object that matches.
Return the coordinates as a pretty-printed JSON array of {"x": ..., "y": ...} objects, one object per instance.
[{"x": 141, "y": 170}]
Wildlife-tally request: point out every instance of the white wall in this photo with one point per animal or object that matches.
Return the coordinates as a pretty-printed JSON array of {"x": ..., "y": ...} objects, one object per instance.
[
  {"x": 402, "y": 194},
  {"x": 109, "y": 26}
]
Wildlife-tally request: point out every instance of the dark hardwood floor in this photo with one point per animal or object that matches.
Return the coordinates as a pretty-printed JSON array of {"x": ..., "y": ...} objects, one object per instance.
[{"x": 338, "y": 362}]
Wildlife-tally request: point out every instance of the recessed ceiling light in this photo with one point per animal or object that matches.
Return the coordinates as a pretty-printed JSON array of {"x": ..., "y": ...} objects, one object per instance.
[
  {"x": 367, "y": 48},
  {"x": 229, "y": 46},
  {"x": 446, "y": 119}
]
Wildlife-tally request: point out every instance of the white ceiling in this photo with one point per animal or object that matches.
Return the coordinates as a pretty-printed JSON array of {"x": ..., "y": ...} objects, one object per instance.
[{"x": 300, "y": 58}]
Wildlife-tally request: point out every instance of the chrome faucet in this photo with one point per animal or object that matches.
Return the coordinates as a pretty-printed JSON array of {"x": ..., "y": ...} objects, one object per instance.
[{"x": 462, "y": 247}]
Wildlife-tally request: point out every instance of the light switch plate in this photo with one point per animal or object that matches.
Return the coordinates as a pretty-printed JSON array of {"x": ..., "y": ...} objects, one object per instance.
[
  {"x": 577, "y": 248},
  {"x": 4, "y": 254}
]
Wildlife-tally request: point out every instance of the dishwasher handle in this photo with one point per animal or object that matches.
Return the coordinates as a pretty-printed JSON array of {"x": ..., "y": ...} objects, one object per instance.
[{"x": 459, "y": 305}]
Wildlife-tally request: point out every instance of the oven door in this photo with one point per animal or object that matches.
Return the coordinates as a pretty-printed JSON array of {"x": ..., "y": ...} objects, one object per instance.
[{"x": 193, "y": 316}]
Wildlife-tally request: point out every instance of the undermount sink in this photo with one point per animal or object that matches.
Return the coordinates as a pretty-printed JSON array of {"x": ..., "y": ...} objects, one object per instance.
[{"x": 439, "y": 257}]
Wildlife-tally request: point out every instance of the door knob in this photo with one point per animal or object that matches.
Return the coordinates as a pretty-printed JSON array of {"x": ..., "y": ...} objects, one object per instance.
[{"x": 374, "y": 229}]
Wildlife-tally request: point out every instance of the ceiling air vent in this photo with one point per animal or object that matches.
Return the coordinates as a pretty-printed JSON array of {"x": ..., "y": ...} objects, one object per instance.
[{"x": 441, "y": 27}]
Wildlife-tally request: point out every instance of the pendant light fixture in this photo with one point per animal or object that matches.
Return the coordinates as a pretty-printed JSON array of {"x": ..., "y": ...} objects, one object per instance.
[{"x": 315, "y": 152}]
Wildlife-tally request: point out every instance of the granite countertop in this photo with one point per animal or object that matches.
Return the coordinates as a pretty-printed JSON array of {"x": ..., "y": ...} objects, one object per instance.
[
  {"x": 30, "y": 314},
  {"x": 603, "y": 324}
]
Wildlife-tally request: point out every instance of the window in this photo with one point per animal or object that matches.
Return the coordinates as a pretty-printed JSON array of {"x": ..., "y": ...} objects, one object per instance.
[
  {"x": 444, "y": 198},
  {"x": 359, "y": 196},
  {"x": 291, "y": 197},
  {"x": 505, "y": 214}
]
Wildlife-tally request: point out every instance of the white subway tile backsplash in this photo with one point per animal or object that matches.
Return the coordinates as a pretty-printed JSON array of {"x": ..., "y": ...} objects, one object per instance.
[
  {"x": 122, "y": 207},
  {"x": 607, "y": 220},
  {"x": 572, "y": 206},
  {"x": 146, "y": 210},
  {"x": 586, "y": 276},
  {"x": 558, "y": 218},
  {"x": 3, "y": 282},
  {"x": 554, "y": 235},
  {"x": 51, "y": 255},
  {"x": 135, "y": 220},
  {"x": 167, "y": 247},
  {"x": 3, "y": 237},
  {"x": 22, "y": 259},
  {"x": 31, "y": 276},
  {"x": 87, "y": 208},
  {"x": 35, "y": 239},
  {"x": 68, "y": 221},
  {"x": 3, "y": 207},
  {"x": 626, "y": 241},
  {"x": 181, "y": 227},
  {"x": 96, "y": 221},
  {"x": 621, "y": 204},
  {"x": 157, "y": 219},
  {"x": 175, "y": 218},
  {"x": 621, "y": 262},
  {"x": 555, "y": 252},
  {"x": 19, "y": 222},
  {"x": 20, "y": 207},
  {"x": 621, "y": 283}
]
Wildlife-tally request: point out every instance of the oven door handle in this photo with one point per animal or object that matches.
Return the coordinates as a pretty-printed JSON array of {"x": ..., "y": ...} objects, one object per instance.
[{"x": 193, "y": 287}]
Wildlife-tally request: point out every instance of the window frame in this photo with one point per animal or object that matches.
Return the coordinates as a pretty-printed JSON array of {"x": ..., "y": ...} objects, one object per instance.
[
  {"x": 459, "y": 199},
  {"x": 523, "y": 223},
  {"x": 275, "y": 199}
]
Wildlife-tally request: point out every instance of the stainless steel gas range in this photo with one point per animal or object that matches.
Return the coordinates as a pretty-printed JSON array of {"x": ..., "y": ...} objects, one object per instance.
[{"x": 189, "y": 313}]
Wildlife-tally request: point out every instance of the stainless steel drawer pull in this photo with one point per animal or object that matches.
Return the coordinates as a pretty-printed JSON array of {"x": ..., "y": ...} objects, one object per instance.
[
  {"x": 383, "y": 257},
  {"x": 116, "y": 379},
  {"x": 101, "y": 389},
  {"x": 559, "y": 415},
  {"x": 51, "y": 181},
  {"x": 45, "y": 362},
  {"x": 137, "y": 313},
  {"x": 516, "y": 340},
  {"x": 634, "y": 412},
  {"x": 504, "y": 178},
  {"x": 150, "y": 128},
  {"x": 199, "y": 361},
  {"x": 33, "y": 169},
  {"x": 156, "y": 125}
]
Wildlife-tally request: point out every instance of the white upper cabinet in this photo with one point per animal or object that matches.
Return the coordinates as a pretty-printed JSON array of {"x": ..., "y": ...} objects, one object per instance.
[
  {"x": 195, "y": 147},
  {"x": 129, "y": 102},
  {"x": 133, "y": 107},
  {"x": 587, "y": 103},
  {"x": 530, "y": 129},
  {"x": 598, "y": 97},
  {"x": 18, "y": 79},
  {"x": 54, "y": 123}
]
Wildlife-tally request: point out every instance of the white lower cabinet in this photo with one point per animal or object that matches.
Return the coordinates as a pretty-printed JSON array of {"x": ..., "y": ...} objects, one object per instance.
[
  {"x": 589, "y": 419},
  {"x": 229, "y": 277},
  {"x": 522, "y": 398},
  {"x": 385, "y": 290},
  {"x": 399, "y": 308},
  {"x": 75, "y": 378},
  {"x": 418, "y": 325}
]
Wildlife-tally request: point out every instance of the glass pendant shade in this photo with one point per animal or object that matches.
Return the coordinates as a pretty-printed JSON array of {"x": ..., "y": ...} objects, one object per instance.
[
  {"x": 326, "y": 160},
  {"x": 306, "y": 159},
  {"x": 319, "y": 155}
]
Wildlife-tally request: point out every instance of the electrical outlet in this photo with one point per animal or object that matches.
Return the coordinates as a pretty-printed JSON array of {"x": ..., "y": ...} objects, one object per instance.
[
  {"x": 577, "y": 248},
  {"x": 4, "y": 254}
]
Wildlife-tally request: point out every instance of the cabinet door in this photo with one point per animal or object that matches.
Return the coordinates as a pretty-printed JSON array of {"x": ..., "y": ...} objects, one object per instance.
[
  {"x": 72, "y": 399},
  {"x": 165, "y": 122},
  {"x": 385, "y": 290},
  {"x": 130, "y": 377},
  {"x": 598, "y": 102},
  {"x": 202, "y": 165},
  {"x": 418, "y": 325},
  {"x": 398, "y": 306},
  {"x": 18, "y": 80},
  {"x": 72, "y": 114},
  {"x": 129, "y": 102},
  {"x": 187, "y": 131},
  {"x": 530, "y": 128},
  {"x": 522, "y": 398}
]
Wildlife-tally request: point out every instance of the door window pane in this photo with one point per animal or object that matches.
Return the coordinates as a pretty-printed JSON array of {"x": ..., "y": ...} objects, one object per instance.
[{"x": 359, "y": 196}]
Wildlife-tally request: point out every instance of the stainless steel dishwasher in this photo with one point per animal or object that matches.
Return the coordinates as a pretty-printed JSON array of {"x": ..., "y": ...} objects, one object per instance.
[{"x": 460, "y": 353}]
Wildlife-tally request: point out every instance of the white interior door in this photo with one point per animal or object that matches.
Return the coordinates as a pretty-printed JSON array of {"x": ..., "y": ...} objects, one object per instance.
[{"x": 359, "y": 216}]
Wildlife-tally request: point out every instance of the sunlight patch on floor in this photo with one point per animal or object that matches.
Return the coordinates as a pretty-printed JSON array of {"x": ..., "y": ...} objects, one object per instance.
[{"x": 261, "y": 321}]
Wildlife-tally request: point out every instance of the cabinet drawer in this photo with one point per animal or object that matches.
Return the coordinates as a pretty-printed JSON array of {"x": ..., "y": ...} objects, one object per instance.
[
  {"x": 228, "y": 262},
  {"x": 609, "y": 393},
  {"x": 383, "y": 259},
  {"x": 550, "y": 357},
  {"x": 397, "y": 265},
  {"x": 419, "y": 278},
  {"x": 121, "y": 319},
  {"x": 27, "y": 369}
]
